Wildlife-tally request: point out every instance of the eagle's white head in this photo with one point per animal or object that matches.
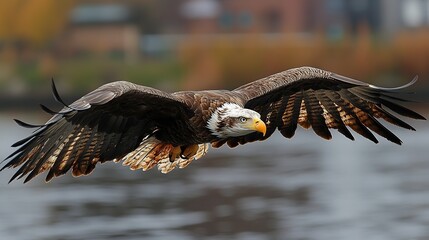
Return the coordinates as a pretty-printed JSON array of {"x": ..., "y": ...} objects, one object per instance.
[{"x": 232, "y": 120}]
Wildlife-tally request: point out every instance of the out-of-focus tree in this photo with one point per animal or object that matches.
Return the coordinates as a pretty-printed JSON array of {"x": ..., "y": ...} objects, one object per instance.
[{"x": 32, "y": 22}]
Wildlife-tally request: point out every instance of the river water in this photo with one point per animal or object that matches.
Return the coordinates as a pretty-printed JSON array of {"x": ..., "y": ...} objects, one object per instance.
[{"x": 304, "y": 188}]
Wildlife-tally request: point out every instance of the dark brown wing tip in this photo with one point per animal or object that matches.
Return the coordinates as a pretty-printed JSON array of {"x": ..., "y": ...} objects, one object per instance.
[
  {"x": 46, "y": 109},
  {"x": 26, "y": 125}
]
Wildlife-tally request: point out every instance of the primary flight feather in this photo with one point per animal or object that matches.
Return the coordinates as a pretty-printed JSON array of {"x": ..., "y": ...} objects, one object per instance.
[{"x": 145, "y": 127}]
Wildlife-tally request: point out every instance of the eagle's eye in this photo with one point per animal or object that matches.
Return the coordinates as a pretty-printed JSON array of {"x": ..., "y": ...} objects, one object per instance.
[{"x": 242, "y": 119}]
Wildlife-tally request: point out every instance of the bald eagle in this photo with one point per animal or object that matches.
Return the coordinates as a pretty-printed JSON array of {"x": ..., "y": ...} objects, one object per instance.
[{"x": 144, "y": 127}]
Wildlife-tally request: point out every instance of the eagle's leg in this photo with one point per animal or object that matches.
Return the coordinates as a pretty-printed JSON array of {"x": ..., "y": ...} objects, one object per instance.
[
  {"x": 174, "y": 153},
  {"x": 189, "y": 151}
]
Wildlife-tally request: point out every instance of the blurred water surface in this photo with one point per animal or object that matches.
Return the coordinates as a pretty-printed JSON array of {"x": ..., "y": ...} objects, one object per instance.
[{"x": 305, "y": 188}]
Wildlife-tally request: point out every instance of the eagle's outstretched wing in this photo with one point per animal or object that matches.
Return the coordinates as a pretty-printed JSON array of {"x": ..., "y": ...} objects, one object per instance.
[
  {"x": 103, "y": 125},
  {"x": 319, "y": 99}
]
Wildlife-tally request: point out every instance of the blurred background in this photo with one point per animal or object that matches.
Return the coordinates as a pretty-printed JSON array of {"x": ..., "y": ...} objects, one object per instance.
[{"x": 304, "y": 188}]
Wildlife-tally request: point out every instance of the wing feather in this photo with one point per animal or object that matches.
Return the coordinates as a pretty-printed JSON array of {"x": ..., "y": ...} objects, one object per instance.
[
  {"x": 319, "y": 99},
  {"x": 291, "y": 115},
  {"x": 315, "y": 115},
  {"x": 273, "y": 117},
  {"x": 80, "y": 160},
  {"x": 47, "y": 150},
  {"x": 379, "y": 112},
  {"x": 303, "y": 115},
  {"x": 103, "y": 125},
  {"x": 332, "y": 116},
  {"x": 375, "y": 97},
  {"x": 349, "y": 117},
  {"x": 61, "y": 159},
  {"x": 365, "y": 114},
  {"x": 47, "y": 110}
]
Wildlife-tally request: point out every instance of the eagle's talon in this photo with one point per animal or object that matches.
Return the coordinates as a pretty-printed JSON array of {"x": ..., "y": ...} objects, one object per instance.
[
  {"x": 189, "y": 151},
  {"x": 175, "y": 153}
]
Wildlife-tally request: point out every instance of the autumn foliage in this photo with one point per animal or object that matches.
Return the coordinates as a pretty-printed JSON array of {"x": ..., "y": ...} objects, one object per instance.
[{"x": 32, "y": 21}]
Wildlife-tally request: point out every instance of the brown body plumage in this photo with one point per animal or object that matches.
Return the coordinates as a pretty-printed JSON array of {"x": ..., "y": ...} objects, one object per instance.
[{"x": 145, "y": 127}]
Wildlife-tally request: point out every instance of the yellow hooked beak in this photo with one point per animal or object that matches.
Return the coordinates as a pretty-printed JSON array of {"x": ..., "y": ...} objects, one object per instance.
[{"x": 259, "y": 126}]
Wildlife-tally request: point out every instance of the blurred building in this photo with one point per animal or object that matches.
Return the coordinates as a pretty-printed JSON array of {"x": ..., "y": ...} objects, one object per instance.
[
  {"x": 249, "y": 16},
  {"x": 340, "y": 17},
  {"x": 157, "y": 26},
  {"x": 101, "y": 28},
  {"x": 404, "y": 14},
  {"x": 290, "y": 16}
]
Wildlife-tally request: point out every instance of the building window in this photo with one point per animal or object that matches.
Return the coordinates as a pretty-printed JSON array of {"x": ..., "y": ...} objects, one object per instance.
[
  {"x": 226, "y": 20},
  {"x": 244, "y": 19},
  {"x": 413, "y": 13},
  {"x": 427, "y": 12},
  {"x": 273, "y": 21},
  {"x": 334, "y": 6}
]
